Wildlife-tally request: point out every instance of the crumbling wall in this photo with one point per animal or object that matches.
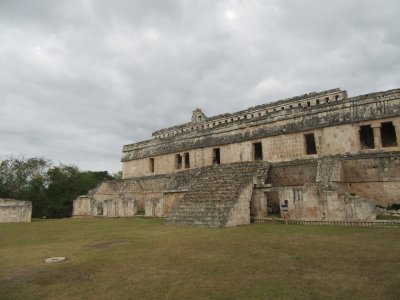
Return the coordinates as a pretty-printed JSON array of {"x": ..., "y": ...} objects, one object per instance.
[
  {"x": 86, "y": 206},
  {"x": 258, "y": 206},
  {"x": 328, "y": 197},
  {"x": 15, "y": 211},
  {"x": 142, "y": 189},
  {"x": 281, "y": 132},
  {"x": 293, "y": 173},
  {"x": 219, "y": 195},
  {"x": 172, "y": 199},
  {"x": 240, "y": 212},
  {"x": 155, "y": 207},
  {"x": 120, "y": 207},
  {"x": 312, "y": 202},
  {"x": 373, "y": 176}
]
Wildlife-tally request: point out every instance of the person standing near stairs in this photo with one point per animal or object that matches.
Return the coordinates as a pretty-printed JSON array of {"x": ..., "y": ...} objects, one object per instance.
[{"x": 285, "y": 210}]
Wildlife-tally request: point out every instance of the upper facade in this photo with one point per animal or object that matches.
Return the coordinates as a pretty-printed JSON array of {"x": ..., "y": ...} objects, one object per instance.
[{"x": 302, "y": 127}]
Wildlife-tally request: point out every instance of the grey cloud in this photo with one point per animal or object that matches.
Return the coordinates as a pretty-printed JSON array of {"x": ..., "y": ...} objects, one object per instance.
[{"x": 79, "y": 79}]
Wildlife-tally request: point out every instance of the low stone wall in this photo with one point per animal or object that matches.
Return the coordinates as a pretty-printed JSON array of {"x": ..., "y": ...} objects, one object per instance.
[
  {"x": 155, "y": 207},
  {"x": 83, "y": 206},
  {"x": 120, "y": 207},
  {"x": 388, "y": 212},
  {"x": 15, "y": 211},
  {"x": 313, "y": 202}
]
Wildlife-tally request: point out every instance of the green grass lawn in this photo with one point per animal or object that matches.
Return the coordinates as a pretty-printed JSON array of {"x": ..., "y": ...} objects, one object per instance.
[{"x": 141, "y": 258}]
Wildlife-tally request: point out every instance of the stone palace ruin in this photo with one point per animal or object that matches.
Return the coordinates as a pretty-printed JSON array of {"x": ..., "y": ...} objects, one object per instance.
[{"x": 332, "y": 157}]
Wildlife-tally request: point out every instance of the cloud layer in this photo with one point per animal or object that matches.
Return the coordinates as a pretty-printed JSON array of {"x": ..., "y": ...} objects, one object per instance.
[{"x": 79, "y": 79}]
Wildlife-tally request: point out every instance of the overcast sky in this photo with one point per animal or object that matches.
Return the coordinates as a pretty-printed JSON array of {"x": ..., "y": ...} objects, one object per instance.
[{"x": 81, "y": 78}]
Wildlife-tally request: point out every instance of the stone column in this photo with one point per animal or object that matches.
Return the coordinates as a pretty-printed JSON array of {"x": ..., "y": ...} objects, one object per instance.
[
  {"x": 183, "y": 161},
  {"x": 396, "y": 125},
  {"x": 377, "y": 135}
]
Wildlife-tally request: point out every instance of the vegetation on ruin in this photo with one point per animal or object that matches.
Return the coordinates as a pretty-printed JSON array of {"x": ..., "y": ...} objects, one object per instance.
[
  {"x": 141, "y": 258},
  {"x": 50, "y": 187}
]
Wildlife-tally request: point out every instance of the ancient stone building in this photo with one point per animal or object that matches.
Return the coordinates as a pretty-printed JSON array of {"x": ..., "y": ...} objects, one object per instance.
[
  {"x": 332, "y": 157},
  {"x": 15, "y": 211}
]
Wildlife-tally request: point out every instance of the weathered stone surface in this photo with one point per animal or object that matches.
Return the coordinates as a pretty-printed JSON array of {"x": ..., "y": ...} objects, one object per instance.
[
  {"x": 12, "y": 210},
  {"x": 332, "y": 123},
  {"x": 332, "y": 157},
  {"x": 86, "y": 206},
  {"x": 119, "y": 207},
  {"x": 219, "y": 195},
  {"x": 155, "y": 208}
]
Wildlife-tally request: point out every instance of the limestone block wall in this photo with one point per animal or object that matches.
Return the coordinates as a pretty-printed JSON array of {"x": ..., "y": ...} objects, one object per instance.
[
  {"x": 108, "y": 198},
  {"x": 172, "y": 199},
  {"x": 85, "y": 206},
  {"x": 376, "y": 177},
  {"x": 141, "y": 189},
  {"x": 329, "y": 170},
  {"x": 339, "y": 139},
  {"x": 335, "y": 125},
  {"x": 155, "y": 207},
  {"x": 295, "y": 173},
  {"x": 303, "y": 201},
  {"x": 258, "y": 205},
  {"x": 285, "y": 147},
  {"x": 12, "y": 210},
  {"x": 310, "y": 202},
  {"x": 349, "y": 207},
  {"x": 240, "y": 212},
  {"x": 120, "y": 207}
]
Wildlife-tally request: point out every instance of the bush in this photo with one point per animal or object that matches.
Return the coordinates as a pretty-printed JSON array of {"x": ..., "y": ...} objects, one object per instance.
[{"x": 51, "y": 189}]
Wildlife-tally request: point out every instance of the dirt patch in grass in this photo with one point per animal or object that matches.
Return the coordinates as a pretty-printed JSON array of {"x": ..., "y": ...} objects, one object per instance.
[
  {"x": 21, "y": 277},
  {"x": 104, "y": 245}
]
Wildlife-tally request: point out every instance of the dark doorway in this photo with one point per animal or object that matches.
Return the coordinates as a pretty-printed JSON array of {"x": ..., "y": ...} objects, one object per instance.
[
  {"x": 388, "y": 134},
  {"x": 366, "y": 137},
  {"x": 311, "y": 148},
  {"x": 178, "y": 161},
  {"x": 216, "y": 156},
  {"x": 187, "y": 161},
  {"x": 151, "y": 165},
  {"x": 257, "y": 149},
  {"x": 273, "y": 206}
]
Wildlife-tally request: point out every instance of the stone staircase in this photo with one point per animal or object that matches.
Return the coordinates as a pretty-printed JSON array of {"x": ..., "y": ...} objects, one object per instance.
[{"x": 220, "y": 195}]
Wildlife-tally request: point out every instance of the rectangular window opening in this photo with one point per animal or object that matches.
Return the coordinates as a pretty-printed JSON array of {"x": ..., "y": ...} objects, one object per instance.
[
  {"x": 388, "y": 134},
  {"x": 187, "y": 160},
  {"x": 178, "y": 161},
  {"x": 311, "y": 148},
  {"x": 366, "y": 137},
  {"x": 216, "y": 156},
  {"x": 317, "y": 101},
  {"x": 257, "y": 150},
  {"x": 151, "y": 165}
]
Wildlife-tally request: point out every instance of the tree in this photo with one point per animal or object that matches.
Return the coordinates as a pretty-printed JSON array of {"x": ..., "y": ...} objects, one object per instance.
[
  {"x": 50, "y": 188},
  {"x": 16, "y": 174}
]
